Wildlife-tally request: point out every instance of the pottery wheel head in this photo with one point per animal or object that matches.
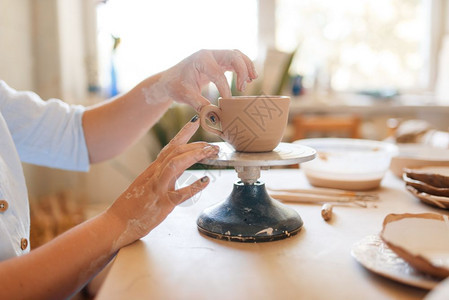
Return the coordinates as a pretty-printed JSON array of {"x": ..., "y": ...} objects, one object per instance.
[{"x": 284, "y": 154}]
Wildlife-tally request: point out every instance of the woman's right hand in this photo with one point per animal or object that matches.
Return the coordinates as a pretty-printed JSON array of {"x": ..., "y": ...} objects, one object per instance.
[
  {"x": 152, "y": 195},
  {"x": 184, "y": 81}
]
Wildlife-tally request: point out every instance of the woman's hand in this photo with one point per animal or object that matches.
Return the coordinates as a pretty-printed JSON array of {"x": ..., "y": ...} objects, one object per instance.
[
  {"x": 152, "y": 196},
  {"x": 107, "y": 126},
  {"x": 183, "y": 82}
]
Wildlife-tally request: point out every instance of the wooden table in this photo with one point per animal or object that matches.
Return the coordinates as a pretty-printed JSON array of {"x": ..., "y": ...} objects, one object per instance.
[{"x": 175, "y": 262}]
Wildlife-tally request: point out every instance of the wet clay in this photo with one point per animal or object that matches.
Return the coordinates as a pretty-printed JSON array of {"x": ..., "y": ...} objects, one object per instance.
[{"x": 248, "y": 123}]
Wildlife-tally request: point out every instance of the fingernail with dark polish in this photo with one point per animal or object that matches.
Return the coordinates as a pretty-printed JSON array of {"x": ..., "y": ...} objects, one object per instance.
[
  {"x": 204, "y": 179},
  {"x": 194, "y": 119}
]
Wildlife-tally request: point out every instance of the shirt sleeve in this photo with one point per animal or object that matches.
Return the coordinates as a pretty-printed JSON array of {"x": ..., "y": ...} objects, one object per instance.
[{"x": 47, "y": 133}]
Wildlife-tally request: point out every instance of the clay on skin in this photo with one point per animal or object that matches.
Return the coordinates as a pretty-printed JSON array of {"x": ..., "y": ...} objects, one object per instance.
[{"x": 155, "y": 93}]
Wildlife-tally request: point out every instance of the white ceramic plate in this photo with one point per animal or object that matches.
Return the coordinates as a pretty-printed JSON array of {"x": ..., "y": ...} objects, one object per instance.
[{"x": 372, "y": 253}]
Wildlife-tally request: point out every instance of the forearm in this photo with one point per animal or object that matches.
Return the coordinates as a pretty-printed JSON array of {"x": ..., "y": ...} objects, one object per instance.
[
  {"x": 61, "y": 267},
  {"x": 112, "y": 126}
]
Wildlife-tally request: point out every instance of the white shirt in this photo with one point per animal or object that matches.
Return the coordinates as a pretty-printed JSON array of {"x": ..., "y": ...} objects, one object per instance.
[{"x": 47, "y": 133}]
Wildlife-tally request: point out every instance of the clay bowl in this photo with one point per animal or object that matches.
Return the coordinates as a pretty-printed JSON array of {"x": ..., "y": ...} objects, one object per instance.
[
  {"x": 418, "y": 155},
  {"x": 422, "y": 240},
  {"x": 436, "y": 176},
  {"x": 425, "y": 188},
  {"x": 349, "y": 164}
]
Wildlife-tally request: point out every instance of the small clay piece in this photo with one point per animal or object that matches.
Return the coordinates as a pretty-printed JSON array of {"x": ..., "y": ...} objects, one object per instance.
[{"x": 326, "y": 211}]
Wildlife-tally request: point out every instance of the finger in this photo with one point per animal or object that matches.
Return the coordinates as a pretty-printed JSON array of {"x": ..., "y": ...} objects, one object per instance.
[
  {"x": 178, "y": 196},
  {"x": 181, "y": 138},
  {"x": 242, "y": 73},
  {"x": 208, "y": 66},
  {"x": 186, "y": 132},
  {"x": 199, "y": 101},
  {"x": 249, "y": 65},
  {"x": 233, "y": 61},
  {"x": 170, "y": 150},
  {"x": 191, "y": 93},
  {"x": 178, "y": 164},
  {"x": 178, "y": 150}
]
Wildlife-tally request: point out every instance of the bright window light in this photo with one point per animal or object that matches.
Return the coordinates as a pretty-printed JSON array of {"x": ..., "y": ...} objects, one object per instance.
[
  {"x": 155, "y": 35},
  {"x": 354, "y": 44}
]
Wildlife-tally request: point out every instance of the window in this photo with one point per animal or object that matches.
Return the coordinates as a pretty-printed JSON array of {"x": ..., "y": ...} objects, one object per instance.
[
  {"x": 352, "y": 45},
  {"x": 157, "y": 34}
]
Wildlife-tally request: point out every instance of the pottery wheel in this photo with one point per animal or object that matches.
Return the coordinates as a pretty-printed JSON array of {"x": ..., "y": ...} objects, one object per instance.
[
  {"x": 249, "y": 214},
  {"x": 284, "y": 154}
]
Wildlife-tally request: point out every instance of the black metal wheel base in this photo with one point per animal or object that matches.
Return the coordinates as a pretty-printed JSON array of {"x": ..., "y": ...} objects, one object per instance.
[{"x": 249, "y": 215}]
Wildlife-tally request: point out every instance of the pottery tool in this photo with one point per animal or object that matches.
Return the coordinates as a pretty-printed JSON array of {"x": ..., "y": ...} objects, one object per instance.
[
  {"x": 249, "y": 214},
  {"x": 320, "y": 196},
  {"x": 331, "y": 192},
  {"x": 326, "y": 211}
]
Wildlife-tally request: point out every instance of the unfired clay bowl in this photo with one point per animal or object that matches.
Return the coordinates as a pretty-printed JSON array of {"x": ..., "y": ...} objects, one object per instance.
[
  {"x": 349, "y": 164},
  {"x": 248, "y": 123},
  {"x": 420, "y": 239}
]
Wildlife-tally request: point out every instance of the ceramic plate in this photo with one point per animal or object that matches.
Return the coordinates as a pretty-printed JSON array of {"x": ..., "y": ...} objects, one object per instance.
[
  {"x": 425, "y": 188},
  {"x": 436, "y": 201},
  {"x": 437, "y": 176},
  {"x": 422, "y": 240},
  {"x": 372, "y": 253}
]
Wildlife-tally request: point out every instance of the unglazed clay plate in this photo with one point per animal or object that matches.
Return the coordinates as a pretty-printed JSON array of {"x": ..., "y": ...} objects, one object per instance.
[
  {"x": 420, "y": 239},
  {"x": 436, "y": 201},
  {"x": 372, "y": 253},
  {"x": 425, "y": 188},
  {"x": 437, "y": 176}
]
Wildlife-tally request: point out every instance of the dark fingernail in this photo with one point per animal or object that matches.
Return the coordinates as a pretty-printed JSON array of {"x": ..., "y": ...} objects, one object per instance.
[
  {"x": 204, "y": 179},
  {"x": 194, "y": 119}
]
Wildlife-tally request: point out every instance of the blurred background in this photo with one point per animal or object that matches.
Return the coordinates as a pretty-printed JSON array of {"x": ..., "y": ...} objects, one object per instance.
[{"x": 371, "y": 65}]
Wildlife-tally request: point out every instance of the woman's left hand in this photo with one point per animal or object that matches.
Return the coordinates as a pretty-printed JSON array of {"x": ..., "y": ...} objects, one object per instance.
[{"x": 152, "y": 195}]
